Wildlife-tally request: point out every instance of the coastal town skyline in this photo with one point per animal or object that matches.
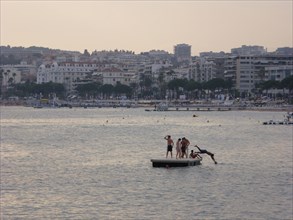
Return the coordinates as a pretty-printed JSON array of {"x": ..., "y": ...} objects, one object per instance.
[{"x": 141, "y": 26}]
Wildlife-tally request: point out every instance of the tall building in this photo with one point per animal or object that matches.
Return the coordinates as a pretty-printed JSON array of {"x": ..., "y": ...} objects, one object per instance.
[
  {"x": 286, "y": 51},
  {"x": 182, "y": 52},
  {"x": 249, "y": 51},
  {"x": 255, "y": 69},
  {"x": 230, "y": 69}
]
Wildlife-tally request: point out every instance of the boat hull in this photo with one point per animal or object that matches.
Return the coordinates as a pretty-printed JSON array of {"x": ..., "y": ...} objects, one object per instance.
[{"x": 175, "y": 162}]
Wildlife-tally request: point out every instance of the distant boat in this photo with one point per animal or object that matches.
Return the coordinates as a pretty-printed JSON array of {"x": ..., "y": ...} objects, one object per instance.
[
  {"x": 162, "y": 107},
  {"x": 272, "y": 122},
  {"x": 228, "y": 102},
  {"x": 287, "y": 120},
  {"x": 289, "y": 115},
  {"x": 38, "y": 106}
]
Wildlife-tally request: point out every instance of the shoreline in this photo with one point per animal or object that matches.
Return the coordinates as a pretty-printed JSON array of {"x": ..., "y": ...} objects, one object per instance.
[{"x": 186, "y": 108}]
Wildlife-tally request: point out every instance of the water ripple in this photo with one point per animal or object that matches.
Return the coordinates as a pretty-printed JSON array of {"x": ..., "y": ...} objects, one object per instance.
[{"x": 80, "y": 164}]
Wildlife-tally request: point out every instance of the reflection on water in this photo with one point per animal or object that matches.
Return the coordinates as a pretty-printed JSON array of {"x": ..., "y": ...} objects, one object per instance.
[{"x": 95, "y": 163}]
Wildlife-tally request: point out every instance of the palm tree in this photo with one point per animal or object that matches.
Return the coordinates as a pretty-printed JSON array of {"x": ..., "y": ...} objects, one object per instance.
[
  {"x": 14, "y": 75},
  {"x": 5, "y": 77},
  {"x": 193, "y": 86},
  {"x": 175, "y": 84},
  {"x": 1, "y": 76},
  {"x": 10, "y": 81},
  {"x": 107, "y": 90},
  {"x": 120, "y": 89},
  {"x": 288, "y": 84},
  {"x": 162, "y": 85},
  {"x": 134, "y": 87},
  {"x": 270, "y": 84}
]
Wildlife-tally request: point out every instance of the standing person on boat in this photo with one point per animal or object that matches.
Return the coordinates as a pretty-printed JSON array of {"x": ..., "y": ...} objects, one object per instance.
[
  {"x": 178, "y": 148},
  {"x": 202, "y": 151},
  {"x": 184, "y": 146},
  {"x": 170, "y": 144}
]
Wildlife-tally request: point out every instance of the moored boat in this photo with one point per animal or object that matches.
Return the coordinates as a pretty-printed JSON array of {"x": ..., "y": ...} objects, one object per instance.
[
  {"x": 161, "y": 107},
  {"x": 286, "y": 121},
  {"x": 272, "y": 122}
]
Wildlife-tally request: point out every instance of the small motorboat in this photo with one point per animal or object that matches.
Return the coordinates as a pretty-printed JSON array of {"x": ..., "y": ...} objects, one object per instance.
[{"x": 272, "y": 122}]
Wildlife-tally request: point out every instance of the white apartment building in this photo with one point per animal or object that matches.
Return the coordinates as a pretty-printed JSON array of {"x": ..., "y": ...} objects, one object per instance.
[
  {"x": 114, "y": 75},
  {"x": 130, "y": 77},
  {"x": 208, "y": 71},
  {"x": 181, "y": 73},
  {"x": 248, "y": 70},
  {"x": 65, "y": 73},
  {"x": 202, "y": 70},
  {"x": 153, "y": 69},
  {"x": 70, "y": 73},
  {"x": 245, "y": 73},
  {"x": 230, "y": 69},
  {"x": 278, "y": 73}
]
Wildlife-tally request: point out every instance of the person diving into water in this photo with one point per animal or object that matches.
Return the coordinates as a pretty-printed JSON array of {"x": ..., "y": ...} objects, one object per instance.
[{"x": 202, "y": 151}]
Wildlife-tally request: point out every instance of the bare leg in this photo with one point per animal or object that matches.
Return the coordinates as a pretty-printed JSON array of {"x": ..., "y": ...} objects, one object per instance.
[{"x": 212, "y": 156}]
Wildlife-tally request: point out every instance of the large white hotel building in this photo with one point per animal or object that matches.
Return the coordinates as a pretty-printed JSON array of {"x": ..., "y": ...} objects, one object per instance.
[{"x": 71, "y": 73}]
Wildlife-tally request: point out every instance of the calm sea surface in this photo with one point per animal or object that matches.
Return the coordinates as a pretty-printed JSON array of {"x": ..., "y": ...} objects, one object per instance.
[{"x": 95, "y": 164}]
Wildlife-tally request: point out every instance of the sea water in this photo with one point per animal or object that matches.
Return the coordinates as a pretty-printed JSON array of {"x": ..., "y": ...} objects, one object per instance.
[{"x": 95, "y": 164}]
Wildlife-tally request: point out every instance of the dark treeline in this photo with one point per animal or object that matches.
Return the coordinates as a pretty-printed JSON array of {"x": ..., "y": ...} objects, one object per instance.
[
  {"x": 10, "y": 59},
  {"x": 146, "y": 89},
  {"x": 96, "y": 89},
  {"x": 36, "y": 90}
]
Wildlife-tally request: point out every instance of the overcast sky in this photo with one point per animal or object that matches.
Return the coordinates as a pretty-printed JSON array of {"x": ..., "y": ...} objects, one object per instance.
[{"x": 145, "y": 25}]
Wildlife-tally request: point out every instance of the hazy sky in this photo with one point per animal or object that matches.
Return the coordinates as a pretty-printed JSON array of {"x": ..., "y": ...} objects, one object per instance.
[{"x": 145, "y": 25}]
